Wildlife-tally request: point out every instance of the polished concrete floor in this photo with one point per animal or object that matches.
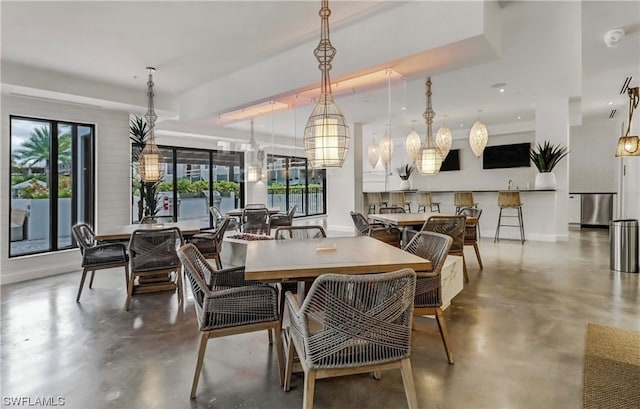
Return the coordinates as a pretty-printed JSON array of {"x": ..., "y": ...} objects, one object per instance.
[{"x": 518, "y": 332}]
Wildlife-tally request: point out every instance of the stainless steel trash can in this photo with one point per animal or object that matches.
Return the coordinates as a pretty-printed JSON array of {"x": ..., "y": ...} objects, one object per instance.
[{"x": 623, "y": 238}]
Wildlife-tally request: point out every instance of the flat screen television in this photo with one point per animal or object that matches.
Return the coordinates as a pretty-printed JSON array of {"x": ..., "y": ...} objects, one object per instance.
[
  {"x": 452, "y": 161},
  {"x": 506, "y": 156}
]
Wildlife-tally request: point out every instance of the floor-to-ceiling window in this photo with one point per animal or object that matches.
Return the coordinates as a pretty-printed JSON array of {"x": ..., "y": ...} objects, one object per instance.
[
  {"x": 292, "y": 182},
  {"x": 194, "y": 180},
  {"x": 52, "y": 183}
]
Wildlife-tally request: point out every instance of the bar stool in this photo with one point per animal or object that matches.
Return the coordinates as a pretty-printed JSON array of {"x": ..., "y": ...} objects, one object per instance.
[
  {"x": 374, "y": 199},
  {"x": 399, "y": 199},
  {"x": 463, "y": 199},
  {"x": 424, "y": 199},
  {"x": 510, "y": 200}
]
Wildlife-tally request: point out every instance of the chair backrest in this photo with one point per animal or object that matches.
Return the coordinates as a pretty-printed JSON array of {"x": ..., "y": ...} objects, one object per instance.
[
  {"x": 255, "y": 220},
  {"x": 157, "y": 219},
  {"x": 470, "y": 212},
  {"x": 463, "y": 199},
  {"x": 221, "y": 228},
  {"x": 397, "y": 198},
  {"x": 431, "y": 246},
  {"x": 424, "y": 199},
  {"x": 155, "y": 249},
  {"x": 255, "y": 206},
  {"x": 361, "y": 223},
  {"x": 216, "y": 213},
  {"x": 299, "y": 232},
  {"x": 391, "y": 209},
  {"x": 453, "y": 226},
  {"x": 471, "y": 234},
  {"x": 84, "y": 235},
  {"x": 355, "y": 320},
  {"x": 509, "y": 198},
  {"x": 291, "y": 212},
  {"x": 374, "y": 198},
  {"x": 196, "y": 268}
]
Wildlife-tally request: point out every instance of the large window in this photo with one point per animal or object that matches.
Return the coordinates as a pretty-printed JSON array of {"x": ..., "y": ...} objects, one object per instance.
[
  {"x": 293, "y": 182},
  {"x": 194, "y": 180},
  {"x": 52, "y": 183}
]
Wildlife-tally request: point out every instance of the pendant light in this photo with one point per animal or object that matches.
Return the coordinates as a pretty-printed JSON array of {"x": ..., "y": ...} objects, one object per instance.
[
  {"x": 630, "y": 145},
  {"x": 253, "y": 171},
  {"x": 444, "y": 140},
  {"x": 373, "y": 154},
  {"x": 326, "y": 136},
  {"x": 430, "y": 159},
  {"x": 478, "y": 138},
  {"x": 412, "y": 144},
  {"x": 386, "y": 144},
  {"x": 150, "y": 165}
]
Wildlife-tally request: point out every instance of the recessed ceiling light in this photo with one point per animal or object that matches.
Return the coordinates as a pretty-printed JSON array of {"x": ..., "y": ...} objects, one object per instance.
[
  {"x": 501, "y": 90},
  {"x": 610, "y": 102},
  {"x": 518, "y": 117},
  {"x": 461, "y": 125}
]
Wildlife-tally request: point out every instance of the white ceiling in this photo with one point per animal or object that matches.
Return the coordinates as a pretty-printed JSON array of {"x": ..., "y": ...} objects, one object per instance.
[{"x": 215, "y": 56}]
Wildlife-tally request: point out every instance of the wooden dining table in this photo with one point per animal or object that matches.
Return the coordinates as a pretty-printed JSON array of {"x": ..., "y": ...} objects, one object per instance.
[
  {"x": 121, "y": 233},
  {"x": 291, "y": 260}
]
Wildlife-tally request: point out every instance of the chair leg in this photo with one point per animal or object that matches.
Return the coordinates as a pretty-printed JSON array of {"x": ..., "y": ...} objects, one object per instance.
[
  {"x": 179, "y": 286},
  {"x": 270, "y": 337},
  {"x": 409, "y": 385},
  {"x": 521, "y": 222},
  {"x": 218, "y": 261},
  {"x": 127, "y": 303},
  {"x": 126, "y": 275},
  {"x": 277, "y": 333},
  {"x": 497, "y": 236},
  {"x": 477, "y": 249},
  {"x": 444, "y": 334},
  {"x": 309, "y": 389},
  {"x": 84, "y": 275},
  {"x": 204, "y": 338},
  {"x": 464, "y": 268},
  {"x": 289, "y": 366},
  {"x": 93, "y": 273}
]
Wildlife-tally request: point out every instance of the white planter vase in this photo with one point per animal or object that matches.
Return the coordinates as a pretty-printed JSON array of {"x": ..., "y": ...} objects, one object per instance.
[
  {"x": 545, "y": 180},
  {"x": 405, "y": 185}
]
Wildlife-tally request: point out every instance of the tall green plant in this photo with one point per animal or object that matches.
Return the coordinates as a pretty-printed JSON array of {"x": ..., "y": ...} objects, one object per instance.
[{"x": 546, "y": 156}]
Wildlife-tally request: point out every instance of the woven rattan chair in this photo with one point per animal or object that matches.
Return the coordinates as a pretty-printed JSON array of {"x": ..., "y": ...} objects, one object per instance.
[
  {"x": 229, "y": 305},
  {"x": 389, "y": 235},
  {"x": 399, "y": 199},
  {"x": 463, "y": 199},
  {"x": 424, "y": 200},
  {"x": 374, "y": 200},
  {"x": 98, "y": 256},
  {"x": 391, "y": 210},
  {"x": 210, "y": 244},
  {"x": 433, "y": 247},
  {"x": 218, "y": 217},
  {"x": 255, "y": 220},
  {"x": 453, "y": 226},
  {"x": 157, "y": 219},
  {"x": 472, "y": 230},
  {"x": 510, "y": 199},
  {"x": 283, "y": 219},
  {"x": 295, "y": 233},
  {"x": 154, "y": 261},
  {"x": 350, "y": 324}
]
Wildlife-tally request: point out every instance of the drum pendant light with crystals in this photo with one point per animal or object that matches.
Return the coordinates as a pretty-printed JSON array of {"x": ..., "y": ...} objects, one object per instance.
[
  {"x": 444, "y": 140},
  {"x": 478, "y": 138},
  {"x": 326, "y": 136},
  {"x": 150, "y": 165},
  {"x": 430, "y": 159},
  {"x": 629, "y": 145}
]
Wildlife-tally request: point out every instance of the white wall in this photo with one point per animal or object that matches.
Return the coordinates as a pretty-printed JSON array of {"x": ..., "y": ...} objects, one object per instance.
[
  {"x": 593, "y": 166},
  {"x": 112, "y": 180}
]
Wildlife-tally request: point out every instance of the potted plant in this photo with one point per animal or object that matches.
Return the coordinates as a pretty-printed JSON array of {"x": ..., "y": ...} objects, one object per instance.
[
  {"x": 405, "y": 172},
  {"x": 545, "y": 157}
]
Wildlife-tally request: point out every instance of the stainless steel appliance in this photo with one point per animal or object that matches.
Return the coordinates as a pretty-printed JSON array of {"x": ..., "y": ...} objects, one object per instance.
[{"x": 596, "y": 209}]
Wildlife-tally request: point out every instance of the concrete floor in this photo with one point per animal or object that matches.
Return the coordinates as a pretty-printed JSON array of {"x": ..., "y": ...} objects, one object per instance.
[{"x": 518, "y": 332}]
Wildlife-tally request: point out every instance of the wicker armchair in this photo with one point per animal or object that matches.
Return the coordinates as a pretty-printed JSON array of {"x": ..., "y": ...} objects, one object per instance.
[
  {"x": 350, "y": 324},
  {"x": 98, "y": 256},
  {"x": 389, "y": 235},
  {"x": 391, "y": 210},
  {"x": 229, "y": 305},
  {"x": 255, "y": 220},
  {"x": 283, "y": 219},
  {"x": 295, "y": 233},
  {"x": 434, "y": 247},
  {"x": 155, "y": 261},
  {"x": 210, "y": 243},
  {"x": 472, "y": 230},
  {"x": 453, "y": 226},
  {"x": 218, "y": 217}
]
